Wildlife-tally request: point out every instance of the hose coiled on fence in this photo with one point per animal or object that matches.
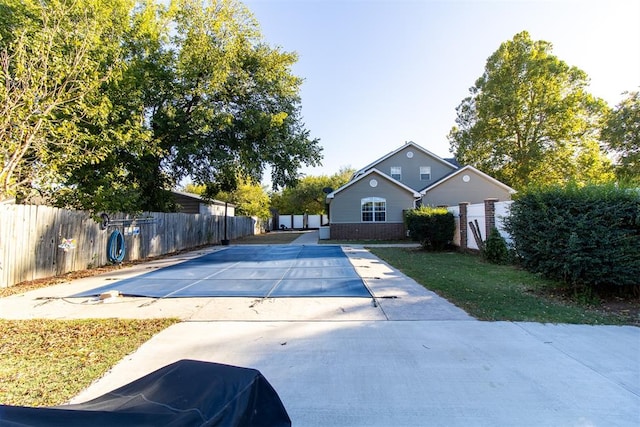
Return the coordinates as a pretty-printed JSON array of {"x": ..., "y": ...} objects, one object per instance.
[{"x": 116, "y": 247}]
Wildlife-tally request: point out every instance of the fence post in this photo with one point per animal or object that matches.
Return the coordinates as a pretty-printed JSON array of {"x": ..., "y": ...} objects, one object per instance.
[
  {"x": 463, "y": 224},
  {"x": 489, "y": 216}
]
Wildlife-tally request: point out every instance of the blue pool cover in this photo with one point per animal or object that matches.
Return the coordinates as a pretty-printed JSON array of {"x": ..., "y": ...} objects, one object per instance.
[{"x": 250, "y": 271}]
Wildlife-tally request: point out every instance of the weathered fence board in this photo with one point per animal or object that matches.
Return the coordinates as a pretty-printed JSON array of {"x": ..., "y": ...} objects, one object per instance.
[{"x": 30, "y": 238}]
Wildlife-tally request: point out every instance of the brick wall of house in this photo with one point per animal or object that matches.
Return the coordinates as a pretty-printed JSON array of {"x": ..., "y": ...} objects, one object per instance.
[{"x": 371, "y": 231}]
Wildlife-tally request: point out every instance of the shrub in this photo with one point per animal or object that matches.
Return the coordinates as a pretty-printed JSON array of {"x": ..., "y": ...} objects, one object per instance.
[
  {"x": 582, "y": 236},
  {"x": 495, "y": 248},
  {"x": 432, "y": 227}
]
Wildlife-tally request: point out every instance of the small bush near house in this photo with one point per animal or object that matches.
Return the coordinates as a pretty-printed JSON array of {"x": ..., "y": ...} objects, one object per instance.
[
  {"x": 432, "y": 227},
  {"x": 585, "y": 237},
  {"x": 495, "y": 248}
]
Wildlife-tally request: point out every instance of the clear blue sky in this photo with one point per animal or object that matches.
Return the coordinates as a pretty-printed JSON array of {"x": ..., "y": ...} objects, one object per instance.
[{"x": 378, "y": 73}]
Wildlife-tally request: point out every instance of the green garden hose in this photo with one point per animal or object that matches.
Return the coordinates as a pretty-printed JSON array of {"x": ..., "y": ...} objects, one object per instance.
[{"x": 116, "y": 247}]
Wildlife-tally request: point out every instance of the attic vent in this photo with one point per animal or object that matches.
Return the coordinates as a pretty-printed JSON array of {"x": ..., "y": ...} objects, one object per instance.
[{"x": 410, "y": 154}]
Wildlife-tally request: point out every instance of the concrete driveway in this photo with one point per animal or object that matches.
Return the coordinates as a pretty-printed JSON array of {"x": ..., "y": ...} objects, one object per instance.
[{"x": 402, "y": 358}]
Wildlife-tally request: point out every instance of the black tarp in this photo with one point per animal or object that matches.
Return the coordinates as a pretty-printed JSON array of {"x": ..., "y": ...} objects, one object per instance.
[{"x": 185, "y": 393}]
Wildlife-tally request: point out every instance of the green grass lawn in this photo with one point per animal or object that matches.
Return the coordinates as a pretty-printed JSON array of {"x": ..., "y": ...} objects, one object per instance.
[
  {"x": 47, "y": 362},
  {"x": 492, "y": 292}
]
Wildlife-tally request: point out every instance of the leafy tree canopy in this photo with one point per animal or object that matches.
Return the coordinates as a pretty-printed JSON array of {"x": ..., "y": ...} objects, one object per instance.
[
  {"x": 530, "y": 119},
  {"x": 235, "y": 106},
  {"x": 621, "y": 133},
  {"x": 307, "y": 196},
  {"x": 112, "y": 103},
  {"x": 55, "y": 60}
]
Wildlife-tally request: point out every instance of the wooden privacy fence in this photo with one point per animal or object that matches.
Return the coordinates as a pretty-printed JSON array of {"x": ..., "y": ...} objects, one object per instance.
[{"x": 41, "y": 241}]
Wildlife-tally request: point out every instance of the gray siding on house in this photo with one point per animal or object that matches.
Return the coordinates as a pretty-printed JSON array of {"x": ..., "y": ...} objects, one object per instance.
[
  {"x": 455, "y": 190},
  {"x": 346, "y": 208},
  {"x": 411, "y": 167}
]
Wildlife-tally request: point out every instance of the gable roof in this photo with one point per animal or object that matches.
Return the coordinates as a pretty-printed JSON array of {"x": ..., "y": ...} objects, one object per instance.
[
  {"x": 467, "y": 168},
  {"x": 367, "y": 173},
  {"x": 402, "y": 147}
]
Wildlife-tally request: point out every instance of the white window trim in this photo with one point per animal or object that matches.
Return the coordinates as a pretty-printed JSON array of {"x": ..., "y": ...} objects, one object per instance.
[
  {"x": 428, "y": 173},
  {"x": 399, "y": 168},
  {"x": 373, "y": 201}
]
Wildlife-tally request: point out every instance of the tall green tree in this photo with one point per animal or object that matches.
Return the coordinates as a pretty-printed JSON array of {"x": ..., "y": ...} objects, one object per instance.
[
  {"x": 621, "y": 133},
  {"x": 129, "y": 177},
  {"x": 235, "y": 108},
  {"x": 308, "y": 195},
  {"x": 55, "y": 57},
  {"x": 529, "y": 119},
  {"x": 125, "y": 179},
  {"x": 115, "y": 102}
]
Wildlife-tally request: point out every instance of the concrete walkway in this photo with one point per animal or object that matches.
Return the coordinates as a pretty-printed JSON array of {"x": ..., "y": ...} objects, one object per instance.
[
  {"x": 422, "y": 373},
  {"x": 307, "y": 238},
  {"x": 405, "y": 357}
]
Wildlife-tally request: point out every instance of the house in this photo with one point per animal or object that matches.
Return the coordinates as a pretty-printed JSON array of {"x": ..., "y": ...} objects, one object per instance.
[
  {"x": 194, "y": 204},
  {"x": 372, "y": 204}
]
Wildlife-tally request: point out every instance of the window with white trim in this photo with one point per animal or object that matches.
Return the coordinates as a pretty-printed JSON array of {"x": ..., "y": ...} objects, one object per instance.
[
  {"x": 425, "y": 173},
  {"x": 396, "y": 173},
  {"x": 374, "y": 209}
]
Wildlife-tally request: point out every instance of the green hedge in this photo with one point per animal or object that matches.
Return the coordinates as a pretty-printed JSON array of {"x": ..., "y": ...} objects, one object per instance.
[
  {"x": 432, "y": 227},
  {"x": 495, "y": 248},
  {"x": 587, "y": 236}
]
